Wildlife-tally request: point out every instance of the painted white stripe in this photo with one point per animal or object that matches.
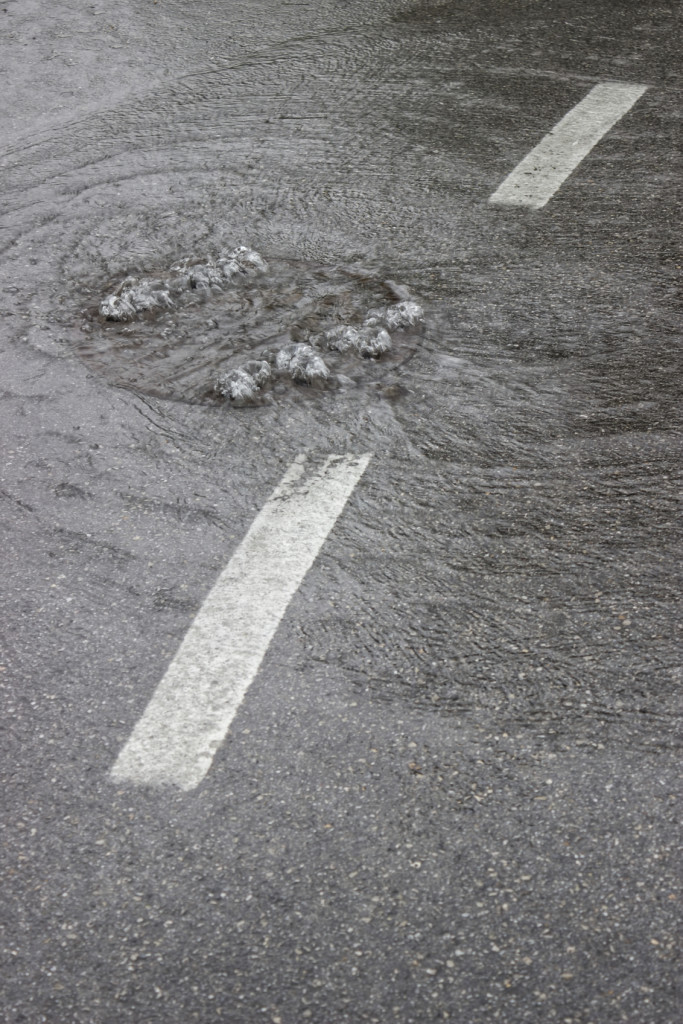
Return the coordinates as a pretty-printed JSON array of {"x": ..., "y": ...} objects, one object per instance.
[
  {"x": 537, "y": 178},
  {"x": 190, "y": 713}
]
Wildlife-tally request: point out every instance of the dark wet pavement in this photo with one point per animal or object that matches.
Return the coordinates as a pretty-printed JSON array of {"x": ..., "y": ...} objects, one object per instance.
[{"x": 451, "y": 792}]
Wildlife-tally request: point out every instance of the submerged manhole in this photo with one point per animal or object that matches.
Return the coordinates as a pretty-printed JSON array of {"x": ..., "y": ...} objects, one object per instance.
[{"x": 237, "y": 329}]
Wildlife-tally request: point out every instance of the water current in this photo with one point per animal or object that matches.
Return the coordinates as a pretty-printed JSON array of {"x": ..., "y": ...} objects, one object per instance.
[{"x": 524, "y": 434}]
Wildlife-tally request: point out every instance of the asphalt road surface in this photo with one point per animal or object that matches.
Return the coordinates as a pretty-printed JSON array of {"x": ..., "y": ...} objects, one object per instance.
[{"x": 446, "y": 788}]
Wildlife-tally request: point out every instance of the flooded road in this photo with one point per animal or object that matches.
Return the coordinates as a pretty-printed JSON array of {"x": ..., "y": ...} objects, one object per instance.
[{"x": 449, "y": 793}]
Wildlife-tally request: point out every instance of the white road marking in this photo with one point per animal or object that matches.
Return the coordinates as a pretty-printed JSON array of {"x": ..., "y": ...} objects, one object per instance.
[
  {"x": 537, "y": 178},
  {"x": 191, "y": 710}
]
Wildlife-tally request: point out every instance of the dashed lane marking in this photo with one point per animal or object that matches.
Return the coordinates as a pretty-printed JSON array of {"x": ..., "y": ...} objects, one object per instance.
[
  {"x": 537, "y": 178},
  {"x": 175, "y": 741}
]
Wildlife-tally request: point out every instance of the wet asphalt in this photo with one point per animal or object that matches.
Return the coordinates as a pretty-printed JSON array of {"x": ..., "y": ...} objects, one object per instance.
[{"x": 452, "y": 791}]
